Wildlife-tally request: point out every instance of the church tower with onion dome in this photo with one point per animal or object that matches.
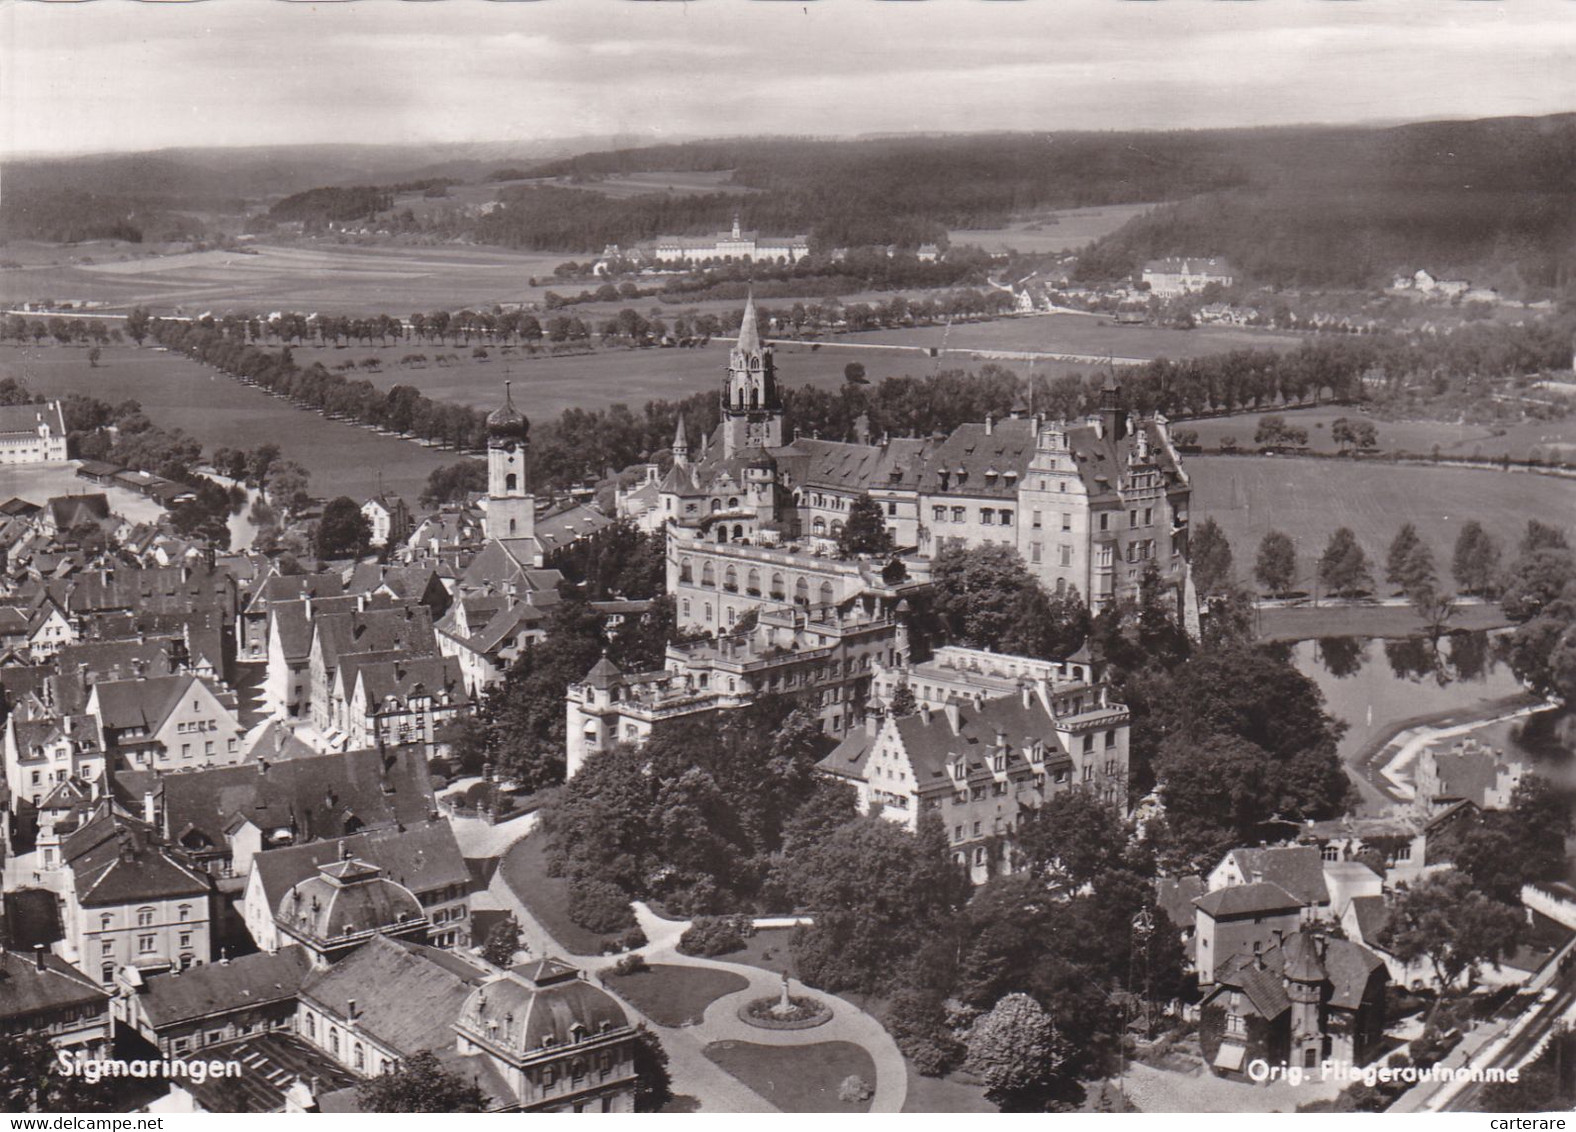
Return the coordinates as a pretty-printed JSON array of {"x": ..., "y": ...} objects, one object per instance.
[
  {"x": 511, "y": 508},
  {"x": 752, "y": 409}
]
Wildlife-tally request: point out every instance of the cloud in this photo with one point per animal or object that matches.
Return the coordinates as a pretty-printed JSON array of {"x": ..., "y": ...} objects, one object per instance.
[{"x": 116, "y": 75}]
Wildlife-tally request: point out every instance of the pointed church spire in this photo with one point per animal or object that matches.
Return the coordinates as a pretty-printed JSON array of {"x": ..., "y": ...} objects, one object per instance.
[
  {"x": 749, "y": 332},
  {"x": 680, "y": 443}
]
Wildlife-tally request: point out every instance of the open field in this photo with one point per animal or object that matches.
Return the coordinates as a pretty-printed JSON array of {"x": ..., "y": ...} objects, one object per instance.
[
  {"x": 1094, "y": 335},
  {"x": 797, "y": 1078},
  {"x": 315, "y": 277},
  {"x": 671, "y": 995},
  {"x": 178, "y": 393},
  {"x": 681, "y": 183},
  {"x": 545, "y": 386},
  {"x": 1548, "y": 439},
  {"x": 1249, "y": 496},
  {"x": 1055, "y": 232}
]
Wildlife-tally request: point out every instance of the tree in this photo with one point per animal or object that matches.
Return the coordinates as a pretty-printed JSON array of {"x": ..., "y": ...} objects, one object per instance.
[
  {"x": 1536, "y": 582},
  {"x": 653, "y": 1082},
  {"x": 502, "y": 942},
  {"x": 1435, "y": 609},
  {"x": 1051, "y": 628},
  {"x": 1017, "y": 1052},
  {"x": 286, "y": 487},
  {"x": 1210, "y": 559},
  {"x": 1074, "y": 835},
  {"x": 1343, "y": 567},
  {"x": 1276, "y": 566},
  {"x": 137, "y": 320},
  {"x": 1475, "y": 563},
  {"x": 343, "y": 531},
  {"x": 865, "y": 530},
  {"x": 93, "y": 357},
  {"x": 1409, "y": 563},
  {"x": 903, "y": 702},
  {"x": 1541, "y": 536},
  {"x": 31, "y": 1081},
  {"x": 854, "y": 374},
  {"x": 420, "y": 1083},
  {"x": 977, "y": 590},
  {"x": 1446, "y": 920}
]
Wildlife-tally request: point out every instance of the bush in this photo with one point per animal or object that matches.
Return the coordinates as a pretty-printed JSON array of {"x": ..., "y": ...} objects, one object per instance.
[
  {"x": 632, "y": 964},
  {"x": 854, "y": 1090},
  {"x": 633, "y": 938},
  {"x": 716, "y": 935},
  {"x": 600, "y": 906}
]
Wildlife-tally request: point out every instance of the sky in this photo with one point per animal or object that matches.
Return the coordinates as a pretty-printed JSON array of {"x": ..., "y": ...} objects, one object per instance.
[{"x": 128, "y": 75}]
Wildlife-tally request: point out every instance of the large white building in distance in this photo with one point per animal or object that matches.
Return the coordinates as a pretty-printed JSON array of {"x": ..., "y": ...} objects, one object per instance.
[
  {"x": 1180, "y": 275},
  {"x": 32, "y": 434}
]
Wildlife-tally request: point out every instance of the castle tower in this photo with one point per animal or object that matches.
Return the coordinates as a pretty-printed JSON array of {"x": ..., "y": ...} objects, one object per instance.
[
  {"x": 1113, "y": 413},
  {"x": 1305, "y": 978},
  {"x": 681, "y": 445},
  {"x": 511, "y": 508},
  {"x": 752, "y": 411}
]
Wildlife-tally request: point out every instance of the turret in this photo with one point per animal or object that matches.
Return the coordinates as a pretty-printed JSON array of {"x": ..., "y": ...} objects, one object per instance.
[
  {"x": 681, "y": 444},
  {"x": 752, "y": 414},
  {"x": 511, "y": 509}
]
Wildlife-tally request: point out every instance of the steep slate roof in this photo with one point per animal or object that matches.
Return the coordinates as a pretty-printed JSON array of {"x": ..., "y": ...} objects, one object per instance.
[
  {"x": 152, "y": 589},
  {"x": 314, "y": 796},
  {"x": 120, "y": 660},
  {"x": 115, "y": 860},
  {"x": 1007, "y": 449},
  {"x": 148, "y": 702},
  {"x": 537, "y": 1001},
  {"x": 407, "y": 629},
  {"x": 1247, "y": 900},
  {"x": 25, "y": 990},
  {"x": 66, "y": 511},
  {"x": 1346, "y": 966},
  {"x": 211, "y": 988},
  {"x": 401, "y": 677},
  {"x": 1373, "y": 916},
  {"x": 561, "y": 528},
  {"x": 1175, "y": 895},
  {"x": 1468, "y": 774},
  {"x": 422, "y": 858},
  {"x": 404, "y": 997},
  {"x": 23, "y": 420},
  {"x": 346, "y": 897},
  {"x": 848, "y": 758},
  {"x": 1299, "y": 869},
  {"x": 292, "y": 587},
  {"x": 928, "y": 745}
]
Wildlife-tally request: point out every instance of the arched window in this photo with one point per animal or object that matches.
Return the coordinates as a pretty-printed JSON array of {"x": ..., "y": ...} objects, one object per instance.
[
  {"x": 686, "y": 574},
  {"x": 733, "y": 501},
  {"x": 730, "y": 580},
  {"x": 511, "y": 526},
  {"x": 818, "y": 526},
  {"x": 777, "y": 587},
  {"x": 738, "y": 532},
  {"x": 801, "y": 592},
  {"x": 722, "y": 532},
  {"x": 716, "y": 505},
  {"x": 752, "y": 583},
  {"x": 826, "y": 593},
  {"x": 510, "y": 482},
  {"x": 708, "y": 576}
]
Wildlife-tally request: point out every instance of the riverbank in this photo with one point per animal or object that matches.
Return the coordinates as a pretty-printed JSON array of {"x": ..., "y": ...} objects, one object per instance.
[{"x": 1307, "y": 622}]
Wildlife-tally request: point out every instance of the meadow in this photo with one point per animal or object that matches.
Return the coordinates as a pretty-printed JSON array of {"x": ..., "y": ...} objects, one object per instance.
[
  {"x": 1060, "y": 231},
  {"x": 176, "y": 392},
  {"x": 312, "y": 277},
  {"x": 1249, "y": 496},
  {"x": 1092, "y": 335},
  {"x": 1547, "y": 439}
]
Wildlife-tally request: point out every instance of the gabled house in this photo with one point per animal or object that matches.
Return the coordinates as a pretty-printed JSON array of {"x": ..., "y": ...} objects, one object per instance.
[
  {"x": 46, "y": 752},
  {"x": 976, "y": 764},
  {"x": 396, "y": 701},
  {"x": 167, "y": 723},
  {"x": 131, "y": 901},
  {"x": 184, "y": 1012},
  {"x": 42, "y": 994},
  {"x": 344, "y": 905},
  {"x": 404, "y": 629}
]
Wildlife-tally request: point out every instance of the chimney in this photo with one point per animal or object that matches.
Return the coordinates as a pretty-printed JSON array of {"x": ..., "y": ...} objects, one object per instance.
[
  {"x": 149, "y": 810},
  {"x": 1027, "y": 690},
  {"x": 990, "y": 424},
  {"x": 1001, "y": 739},
  {"x": 306, "y": 601},
  {"x": 954, "y": 717},
  {"x": 924, "y": 714},
  {"x": 350, "y": 1010},
  {"x": 361, "y": 603},
  {"x": 262, "y": 767},
  {"x": 873, "y": 723},
  {"x": 38, "y": 956}
]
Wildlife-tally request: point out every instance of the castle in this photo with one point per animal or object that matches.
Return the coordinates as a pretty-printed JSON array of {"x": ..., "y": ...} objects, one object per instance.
[{"x": 753, "y": 519}]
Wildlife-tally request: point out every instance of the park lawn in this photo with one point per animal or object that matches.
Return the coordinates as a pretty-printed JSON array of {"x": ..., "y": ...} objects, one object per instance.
[
  {"x": 956, "y": 1092},
  {"x": 767, "y": 950},
  {"x": 1249, "y": 496},
  {"x": 1304, "y": 622},
  {"x": 1546, "y": 439},
  {"x": 176, "y": 392},
  {"x": 524, "y": 869},
  {"x": 672, "y": 995},
  {"x": 797, "y": 1078}
]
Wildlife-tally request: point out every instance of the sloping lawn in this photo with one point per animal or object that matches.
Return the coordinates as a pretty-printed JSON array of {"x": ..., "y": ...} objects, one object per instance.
[
  {"x": 675, "y": 996},
  {"x": 952, "y": 1093},
  {"x": 797, "y": 1078},
  {"x": 524, "y": 869}
]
